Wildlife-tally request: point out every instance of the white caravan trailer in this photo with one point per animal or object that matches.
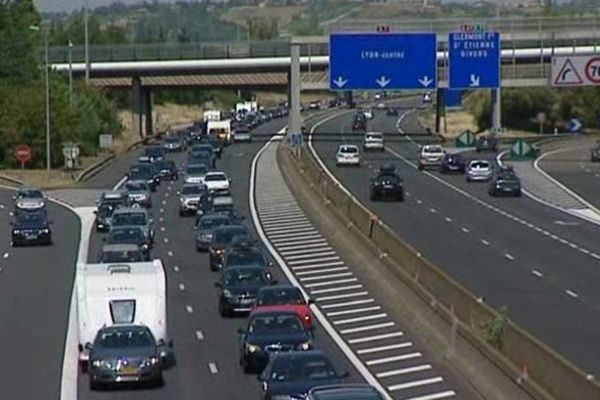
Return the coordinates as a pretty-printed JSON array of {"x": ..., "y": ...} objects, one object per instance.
[
  {"x": 211, "y": 115},
  {"x": 127, "y": 293},
  {"x": 220, "y": 129}
]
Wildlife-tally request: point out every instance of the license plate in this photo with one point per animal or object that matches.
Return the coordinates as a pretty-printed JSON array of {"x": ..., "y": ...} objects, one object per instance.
[
  {"x": 388, "y": 186},
  {"x": 131, "y": 370},
  {"x": 247, "y": 301},
  {"x": 31, "y": 236}
]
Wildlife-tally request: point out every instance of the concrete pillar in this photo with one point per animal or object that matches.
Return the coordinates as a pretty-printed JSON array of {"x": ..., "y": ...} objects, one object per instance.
[
  {"x": 349, "y": 99},
  {"x": 295, "y": 85},
  {"x": 497, "y": 109},
  {"x": 137, "y": 105},
  {"x": 148, "y": 97},
  {"x": 440, "y": 110}
]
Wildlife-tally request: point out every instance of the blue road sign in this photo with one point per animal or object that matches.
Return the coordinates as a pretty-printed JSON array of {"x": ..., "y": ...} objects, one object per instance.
[
  {"x": 474, "y": 60},
  {"x": 296, "y": 139},
  {"x": 365, "y": 61},
  {"x": 574, "y": 125}
]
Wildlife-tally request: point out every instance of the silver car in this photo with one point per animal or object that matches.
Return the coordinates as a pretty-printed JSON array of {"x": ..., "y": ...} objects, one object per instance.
[
  {"x": 29, "y": 199},
  {"x": 137, "y": 217},
  {"x": 138, "y": 192},
  {"x": 195, "y": 173},
  {"x": 191, "y": 197},
  {"x": 431, "y": 156},
  {"x": 479, "y": 170}
]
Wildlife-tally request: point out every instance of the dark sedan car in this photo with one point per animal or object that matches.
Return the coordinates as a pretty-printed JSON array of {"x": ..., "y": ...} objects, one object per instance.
[
  {"x": 205, "y": 227},
  {"x": 486, "y": 143},
  {"x": 505, "y": 183},
  {"x": 121, "y": 253},
  {"x": 129, "y": 235},
  {"x": 144, "y": 172},
  {"x": 245, "y": 256},
  {"x": 31, "y": 228},
  {"x": 453, "y": 162},
  {"x": 167, "y": 169},
  {"x": 221, "y": 239},
  {"x": 293, "y": 374},
  {"x": 124, "y": 353},
  {"x": 271, "y": 331},
  {"x": 386, "y": 184},
  {"x": 238, "y": 288},
  {"x": 154, "y": 153}
]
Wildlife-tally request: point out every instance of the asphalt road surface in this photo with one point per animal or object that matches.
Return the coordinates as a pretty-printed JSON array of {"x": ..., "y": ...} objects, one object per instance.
[{"x": 538, "y": 262}]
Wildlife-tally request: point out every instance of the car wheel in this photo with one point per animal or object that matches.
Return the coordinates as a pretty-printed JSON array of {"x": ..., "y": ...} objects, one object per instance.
[
  {"x": 518, "y": 193},
  {"x": 94, "y": 386},
  {"x": 223, "y": 311},
  {"x": 247, "y": 368}
]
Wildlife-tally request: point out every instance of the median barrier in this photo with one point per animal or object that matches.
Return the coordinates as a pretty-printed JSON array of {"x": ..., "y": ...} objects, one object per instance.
[{"x": 539, "y": 370}]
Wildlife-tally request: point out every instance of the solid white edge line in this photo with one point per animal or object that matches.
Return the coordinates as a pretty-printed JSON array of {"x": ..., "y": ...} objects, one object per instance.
[{"x": 335, "y": 336}]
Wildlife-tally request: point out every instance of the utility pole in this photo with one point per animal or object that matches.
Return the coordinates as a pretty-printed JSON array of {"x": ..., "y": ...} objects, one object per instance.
[
  {"x": 48, "y": 163},
  {"x": 70, "y": 75},
  {"x": 87, "y": 42}
]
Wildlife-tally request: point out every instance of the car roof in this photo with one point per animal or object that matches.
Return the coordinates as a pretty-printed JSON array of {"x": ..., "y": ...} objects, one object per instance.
[
  {"x": 136, "y": 182},
  {"x": 222, "y": 200},
  {"x": 433, "y": 147},
  {"x": 126, "y": 210},
  {"x": 348, "y": 146},
  {"x": 479, "y": 161},
  {"x": 120, "y": 247}
]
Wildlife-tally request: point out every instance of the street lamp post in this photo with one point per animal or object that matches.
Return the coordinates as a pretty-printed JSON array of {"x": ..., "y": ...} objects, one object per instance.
[
  {"x": 47, "y": 90},
  {"x": 87, "y": 42},
  {"x": 70, "y": 75}
]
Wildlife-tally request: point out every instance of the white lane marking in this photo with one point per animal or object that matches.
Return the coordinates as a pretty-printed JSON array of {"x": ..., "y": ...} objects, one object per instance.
[
  {"x": 189, "y": 309},
  {"x": 331, "y": 283},
  {"x": 119, "y": 183},
  {"x": 320, "y": 271},
  {"x": 537, "y": 273},
  {"x": 213, "y": 368},
  {"x": 436, "y": 396},
  {"x": 5, "y": 255},
  {"x": 359, "y": 319},
  {"x": 175, "y": 268},
  {"x": 353, "y": 311},
  {"x": 347, "y": 304},
  {"x": 299, "y": 262},
  {"x": 419, "y": 201},
  {"x": 584, "y": 251},
  {"x": 311, "y": 242},
  {"x": 325, "y": 277},
  {"x": 448, "y": 219},
  {"x": 465, "y": 230},
  {"x": 161, "y": 219},
  {"x": 284, "y": 221},
  {"x": 297, "y": 240},
  {"x": 571, "y": 293},
  {"x": 376, "y": 337},
  {"x": 305, "y": 229},
  {"x": 170, "y": 253},
  {"x": 162, "y": 228},
  {"x": 162, "y": 210},
  {"x": 295, "y": 254},
  {"x": 317, "y": 266},
  {"x": 2, "y": 206},
  {"x": 596, "y": 256},
  {"x": 485, "y": 242},
  {"x": 509, "y": 256},
  {"x": 287, "y": 226},
  {"x": 164, "y": 202},
  {"x": 323, "y": 245},
  {"x": 367, "y": 328},
  {"x": 181, "y": 287},
  {"x": 311, "y": 233},
  {"x": 424, "y": 382},
  {"x": 199, "y": 335},
  {"x": 277, "y": 216},
  {"x": 11, "y": 214},
  {"x": 342, "y": 296},
  {"x": 166, "y": 240},
  {"x": 336, "y": 289},
  {"x": 401, "y": 357},
  {"x": 432, "y": 210},
  {"x": 384, "y": 348},
  {"x": 404, "y": 371}
]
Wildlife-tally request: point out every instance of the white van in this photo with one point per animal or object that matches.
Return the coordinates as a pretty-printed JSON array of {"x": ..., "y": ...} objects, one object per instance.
[
  {"x": 128, "y": 293},
  {"x": 220, "y": 129},
  {"x": 211, "y": 115}
]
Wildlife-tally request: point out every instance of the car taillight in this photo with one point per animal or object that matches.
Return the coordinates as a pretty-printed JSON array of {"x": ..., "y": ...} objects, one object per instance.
[{"x": 307, "y": 318}]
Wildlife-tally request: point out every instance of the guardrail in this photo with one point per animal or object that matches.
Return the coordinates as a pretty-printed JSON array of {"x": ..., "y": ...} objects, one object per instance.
[{"x": 538, "y": 369}]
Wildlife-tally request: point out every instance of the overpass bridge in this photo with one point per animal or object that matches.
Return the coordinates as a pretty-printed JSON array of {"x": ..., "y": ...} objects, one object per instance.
[{"x": 528, "y": 46}]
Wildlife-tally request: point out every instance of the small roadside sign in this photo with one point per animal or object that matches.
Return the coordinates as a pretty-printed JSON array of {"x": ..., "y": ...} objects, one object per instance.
[
  {"x": 574, "y": 71},
  {"x": 466, "y": 139},
  {"x": 105, "y": 141},
  {"x": 296, "y": 139},
  {"x": 522, "y": 149},
  {"x": 574, "y": 125}
]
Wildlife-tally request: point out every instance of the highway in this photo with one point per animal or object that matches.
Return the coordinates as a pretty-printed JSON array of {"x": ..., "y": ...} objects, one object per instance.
[
  {"x": 513, "y": 252},
  {"x": 35, "y": 293},
  {"x": 206, "y": 345}
]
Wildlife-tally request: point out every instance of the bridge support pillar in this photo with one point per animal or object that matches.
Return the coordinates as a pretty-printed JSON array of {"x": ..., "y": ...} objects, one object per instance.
[
  {"x": 497, "y": 110},
  {"x": 440, "y": 110},
  {"x": 142, "y": 108},
  {"x": 295, "y": 85},
  {"x": 349, "y": 99}
]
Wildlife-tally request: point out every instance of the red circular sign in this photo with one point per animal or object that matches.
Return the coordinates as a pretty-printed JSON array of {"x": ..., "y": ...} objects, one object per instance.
[
  {"x": 23, "y": 153},
  {"x": 592, "y": 70}
]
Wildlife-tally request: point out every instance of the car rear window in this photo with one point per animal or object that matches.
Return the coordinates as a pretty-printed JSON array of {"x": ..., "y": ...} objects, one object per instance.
[
  {"x": 280, "y": 297},
  {"x": 349, "y": 150}
]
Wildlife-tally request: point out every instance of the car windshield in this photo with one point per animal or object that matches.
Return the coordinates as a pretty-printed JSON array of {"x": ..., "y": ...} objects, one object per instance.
[
  {"x": 215, "y": 177},
  {"x": 154, "y": 151},
  {"x": 211, "y": 223},
  {"x": 245, "y": 258},
  {"x": 191, "y": 189},
  {"x": 374, "y": 136},
  {"x": 123, "y": 339},
  {"x": 239, "y": 276},
  {"x": 303, "y": 367},
  {"x": 172, "y": 140},
  {"x": 30, "y": 194},
  {"x": 480, "y": 164},
  {"x": 225, "y": 235},
  {"x": 287, "y": 323},
  {"x": 132, "y": 218},
  {"x": 31, "y": 218},
  {"x": 126, "y": 236},
  {"x": 105, "y": 210},
  {"x": 275, "y": 297},
  {"x": 114, "y": 256},
  {"x": 136, "y": 186},
  {"x": 165, "y": 164},
  {"x": 349, "y": 150},
  {"x": 197, "y": 170},
  {"x": 432, "y": 149}
]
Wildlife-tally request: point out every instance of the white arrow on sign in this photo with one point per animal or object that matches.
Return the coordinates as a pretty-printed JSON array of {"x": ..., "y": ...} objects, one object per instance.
[
  {"x": 340, "y": 82},
  {"x": 474, "y": 80},
  {"x": 383, "y": 81},
  {"x": 425, "y": 81}
]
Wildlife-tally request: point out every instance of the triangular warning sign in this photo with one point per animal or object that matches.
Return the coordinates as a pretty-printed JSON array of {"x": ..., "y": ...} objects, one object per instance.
[{"x": 568, "y": 75}]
